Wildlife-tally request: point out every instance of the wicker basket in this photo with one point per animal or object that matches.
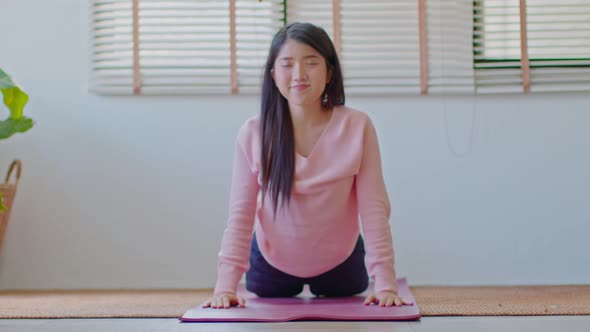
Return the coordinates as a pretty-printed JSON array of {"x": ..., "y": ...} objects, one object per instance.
[{"x": 8, "y": 192}]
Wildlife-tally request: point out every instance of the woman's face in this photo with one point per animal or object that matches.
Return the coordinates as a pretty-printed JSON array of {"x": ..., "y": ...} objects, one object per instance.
[{"x": 300, "y": 73}]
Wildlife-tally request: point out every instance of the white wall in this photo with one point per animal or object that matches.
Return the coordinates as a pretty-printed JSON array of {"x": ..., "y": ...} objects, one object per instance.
[{"x": 132, "y": 191}]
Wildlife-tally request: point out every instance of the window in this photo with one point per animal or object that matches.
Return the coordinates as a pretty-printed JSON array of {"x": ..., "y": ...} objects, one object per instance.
[
  {"x": 377, "y": 41},
  {"x": 449, "y": 47},
  {"x": 182, "y": 47},
  {"x": 386, "y": 47},
  {"x": 380, "y": 46},
  {"x": 542, "y": 46},
  {"x": 186, "y": 47}
]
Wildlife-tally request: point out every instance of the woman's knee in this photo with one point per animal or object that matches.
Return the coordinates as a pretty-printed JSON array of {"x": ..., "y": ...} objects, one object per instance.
[
  {"x": 269, "y": 289},
  {"x": 336, "y": 289}
]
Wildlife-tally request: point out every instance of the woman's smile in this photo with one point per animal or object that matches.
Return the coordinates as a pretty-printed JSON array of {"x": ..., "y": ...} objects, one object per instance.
[{"x": 299, "y": 87}]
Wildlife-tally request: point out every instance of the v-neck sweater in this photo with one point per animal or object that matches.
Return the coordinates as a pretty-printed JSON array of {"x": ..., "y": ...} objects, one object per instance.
[{"x": 337, "y": 190}]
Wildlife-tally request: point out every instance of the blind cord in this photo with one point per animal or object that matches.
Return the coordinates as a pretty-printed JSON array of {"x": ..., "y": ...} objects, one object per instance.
[{"x": 445, "y": 104}]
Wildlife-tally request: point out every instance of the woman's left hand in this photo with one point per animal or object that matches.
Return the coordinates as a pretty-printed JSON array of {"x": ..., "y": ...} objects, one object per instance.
[{"x": 387, "y": 299}]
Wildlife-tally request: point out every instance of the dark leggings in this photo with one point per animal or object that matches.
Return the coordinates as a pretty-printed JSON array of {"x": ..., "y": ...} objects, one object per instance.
[{"x": 346, "y": 279}]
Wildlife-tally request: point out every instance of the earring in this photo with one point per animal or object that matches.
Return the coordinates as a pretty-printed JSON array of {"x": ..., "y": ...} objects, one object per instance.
[{"x": 325, "y": 98}]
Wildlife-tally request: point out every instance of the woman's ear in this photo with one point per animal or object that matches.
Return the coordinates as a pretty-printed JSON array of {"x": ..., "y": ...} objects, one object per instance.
[
  {"x": 272, "y": 73},
  {"x": 328, "y": 75}
]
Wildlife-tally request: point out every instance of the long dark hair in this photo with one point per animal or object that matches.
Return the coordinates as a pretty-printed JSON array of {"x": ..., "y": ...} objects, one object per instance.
[{"x": 278, "y": 140}]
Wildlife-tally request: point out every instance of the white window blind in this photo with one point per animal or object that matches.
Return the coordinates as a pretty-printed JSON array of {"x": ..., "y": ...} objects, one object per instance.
[
  {"x": 200, "y": 47},
  {"x": 450, "y": 46},
  {"x": 318, "y": 12},
  {"x": 257, "y": 21},
  {"x": 497, "y": 46},
  {"x": 111, "y": 46},
  {"x": 184, "y": 47},
  {"x": 380, "y": 46},
  {"x": 380, "y": 43},
  {"x": 555, "y": 48},
  {"x": 559, "y": 44},
  {"x": 386, "y": 47}
]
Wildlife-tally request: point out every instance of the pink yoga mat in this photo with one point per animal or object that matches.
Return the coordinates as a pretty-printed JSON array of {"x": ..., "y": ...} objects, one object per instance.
[{"x": 306, "y": 307}]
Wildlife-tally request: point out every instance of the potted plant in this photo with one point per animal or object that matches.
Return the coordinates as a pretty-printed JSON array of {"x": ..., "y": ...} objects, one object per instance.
[{"x": 15, "y": 100}]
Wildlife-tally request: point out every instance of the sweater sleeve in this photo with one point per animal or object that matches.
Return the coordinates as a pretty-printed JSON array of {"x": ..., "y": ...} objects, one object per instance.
[
  {"x": 374, "y": 209},
  {"x": 233, "y": 258}
]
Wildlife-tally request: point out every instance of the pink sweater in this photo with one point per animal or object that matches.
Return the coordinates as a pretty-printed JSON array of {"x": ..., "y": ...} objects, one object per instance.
[{"x": 339, "y": 181}]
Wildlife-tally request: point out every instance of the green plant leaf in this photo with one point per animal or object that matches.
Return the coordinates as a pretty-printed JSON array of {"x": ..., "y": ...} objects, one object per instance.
[
  {"x": 5, "y": 80},
  {"x": 14, "y": 98},
  {"x": 10, "y": 126}
]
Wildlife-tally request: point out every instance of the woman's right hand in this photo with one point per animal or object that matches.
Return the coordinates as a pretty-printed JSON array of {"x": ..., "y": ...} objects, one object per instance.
[{"x": 224, "y": 301}]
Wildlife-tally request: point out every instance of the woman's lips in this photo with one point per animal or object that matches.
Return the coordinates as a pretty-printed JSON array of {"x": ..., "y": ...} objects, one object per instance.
[{"x": 300, "y": 86}]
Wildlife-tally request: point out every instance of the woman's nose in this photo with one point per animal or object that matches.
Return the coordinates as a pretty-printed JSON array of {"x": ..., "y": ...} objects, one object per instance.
[{"x": 299, "y": 73}]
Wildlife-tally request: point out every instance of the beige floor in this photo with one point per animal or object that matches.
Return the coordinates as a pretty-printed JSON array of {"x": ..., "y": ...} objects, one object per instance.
[{"x": 427, "y": 324}]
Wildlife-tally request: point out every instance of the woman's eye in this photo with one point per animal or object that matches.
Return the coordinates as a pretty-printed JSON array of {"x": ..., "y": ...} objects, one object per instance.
[
  {"x": 312, "y": 63},
  {"x": 286, "y": 65}
]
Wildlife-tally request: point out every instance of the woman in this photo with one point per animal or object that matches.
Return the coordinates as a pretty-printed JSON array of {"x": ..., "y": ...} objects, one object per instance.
[{"x": 305, "y": 170}]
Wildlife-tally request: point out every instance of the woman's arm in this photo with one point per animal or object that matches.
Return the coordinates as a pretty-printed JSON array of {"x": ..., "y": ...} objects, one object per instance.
[
  {"x": 374, "y": 209},
  {"x": 233, "y": 259}
]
